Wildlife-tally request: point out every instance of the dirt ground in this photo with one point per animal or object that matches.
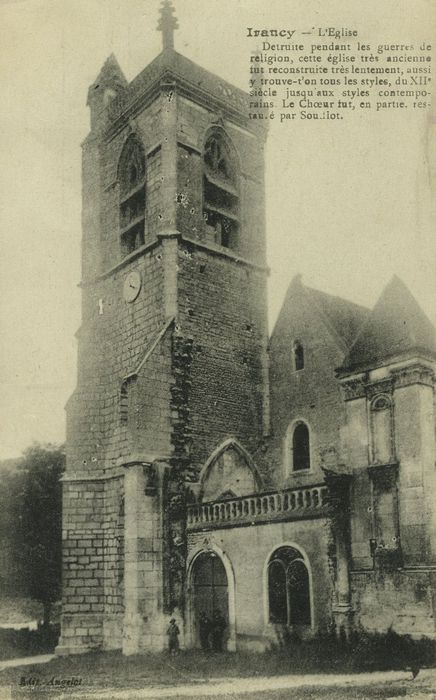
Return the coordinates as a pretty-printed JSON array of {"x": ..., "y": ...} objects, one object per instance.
[{"x": 109, "y": 676}]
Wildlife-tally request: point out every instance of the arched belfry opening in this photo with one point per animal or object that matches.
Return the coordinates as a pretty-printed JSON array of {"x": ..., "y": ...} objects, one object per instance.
[
  {"x": 221, "y": 189},
  {"x": 132, "y": 206}
]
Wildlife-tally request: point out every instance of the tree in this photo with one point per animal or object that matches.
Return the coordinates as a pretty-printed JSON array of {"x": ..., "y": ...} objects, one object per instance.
[
  {"x": 38, "y": 524},
  {"x": 10, "y": 488}
]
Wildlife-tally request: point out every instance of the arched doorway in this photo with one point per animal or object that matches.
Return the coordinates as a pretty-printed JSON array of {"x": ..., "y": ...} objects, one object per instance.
[{"x": 209, "y": 591}]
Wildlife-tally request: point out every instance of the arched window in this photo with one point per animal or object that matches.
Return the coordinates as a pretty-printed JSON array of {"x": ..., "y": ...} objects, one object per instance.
[
  {"x": 298, "y": 352},
  {"x": 300, "y": 447},
  {"x": 288, "y": 588},
  {"x": 220, "y": 192},
  {"x": 381, "y": 428},
  {"x": 131, "y": 175}
]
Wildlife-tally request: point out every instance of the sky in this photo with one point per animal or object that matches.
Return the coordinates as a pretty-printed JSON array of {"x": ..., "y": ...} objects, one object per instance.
[{"x": 349, "y": 203}]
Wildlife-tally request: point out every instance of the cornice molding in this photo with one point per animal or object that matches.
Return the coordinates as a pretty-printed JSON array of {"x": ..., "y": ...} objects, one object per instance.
[
  {"x": 413, "y": 374},
  {"x": 354, "y": 389}
]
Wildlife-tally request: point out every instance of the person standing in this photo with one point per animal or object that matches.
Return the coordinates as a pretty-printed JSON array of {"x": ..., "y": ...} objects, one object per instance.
[
  {"x": 173, "y": 637},
  {"x": 204, "y": 625},
  {"x": 218, "y": 627}
]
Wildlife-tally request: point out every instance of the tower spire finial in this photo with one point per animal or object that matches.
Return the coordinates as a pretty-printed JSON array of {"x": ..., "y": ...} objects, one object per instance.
[{"x": 167, "y": 24}]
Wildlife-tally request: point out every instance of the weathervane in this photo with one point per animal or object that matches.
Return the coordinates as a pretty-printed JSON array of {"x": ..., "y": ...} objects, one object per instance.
[{"x": 167, "y": 24}]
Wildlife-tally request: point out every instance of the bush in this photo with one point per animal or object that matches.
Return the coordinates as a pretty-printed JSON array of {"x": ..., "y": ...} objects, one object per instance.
[
  {"x": 392, "y": 651},
  {"x": 363, "y": 651},
  {"x": 25, "y": 642}
]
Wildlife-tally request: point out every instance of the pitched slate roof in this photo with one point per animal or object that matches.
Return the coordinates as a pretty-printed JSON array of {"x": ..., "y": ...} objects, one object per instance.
[
  {"x": 346, "y": 317},
  {"x": 182, "y": 67},
  {"x": 206, "y": 87},
  {"x": 397, "y": 325}
]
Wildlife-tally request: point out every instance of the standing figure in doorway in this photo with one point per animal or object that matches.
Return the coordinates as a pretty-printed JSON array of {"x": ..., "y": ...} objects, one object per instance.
[
  {"x": 204, "y": 625},
  {"x": 218, "y": 627}
]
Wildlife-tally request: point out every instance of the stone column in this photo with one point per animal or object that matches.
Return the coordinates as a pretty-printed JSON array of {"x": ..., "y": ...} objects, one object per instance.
[
  {"x": 416, "y": 451},
  {"x": 339, "y": 505},
  {"x": 356, "y": 447},
  {"x": 168, "y": 98},
  {"x": 144, "y": 621},
  {"x": 342, "y": 607}
]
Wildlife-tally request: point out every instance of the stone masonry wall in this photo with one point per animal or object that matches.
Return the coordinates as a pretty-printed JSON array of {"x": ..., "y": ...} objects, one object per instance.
[
  {"x": 248, "y": 550},
  {"x": 311, "y": 394},
  {"x": 83, "y": 566},
  {"x": 111, "y": 346},
  {"x": 219, "y": 309},
  {"x": 114, "y": 546},
  {"x": 221, "y": 301},
  {"x": 112, "y": 342},
  {"x": 150, "y": 419},
  {"x": 400, "y": 600}
]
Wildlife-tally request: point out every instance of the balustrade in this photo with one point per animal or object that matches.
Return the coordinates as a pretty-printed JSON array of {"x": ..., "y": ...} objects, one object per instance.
[{"x": 299, "y": 502}]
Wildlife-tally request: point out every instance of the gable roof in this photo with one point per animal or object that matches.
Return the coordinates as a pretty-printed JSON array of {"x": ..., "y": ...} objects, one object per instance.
[
  {"x": 396, "y": 325},
  {"x": 342, "y": 318},
  {"x": 345, "y": 317}
]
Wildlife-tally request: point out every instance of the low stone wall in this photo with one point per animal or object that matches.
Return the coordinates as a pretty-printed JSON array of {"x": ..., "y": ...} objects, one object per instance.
[{"x": 398, "y": 600}]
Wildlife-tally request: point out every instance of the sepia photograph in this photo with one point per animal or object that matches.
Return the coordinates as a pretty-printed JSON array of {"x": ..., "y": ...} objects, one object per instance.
[{"x": 218, "y": 357}]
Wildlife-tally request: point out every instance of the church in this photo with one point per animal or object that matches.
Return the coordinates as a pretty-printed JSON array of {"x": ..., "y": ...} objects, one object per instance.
[{"x": 286, "y": 481}]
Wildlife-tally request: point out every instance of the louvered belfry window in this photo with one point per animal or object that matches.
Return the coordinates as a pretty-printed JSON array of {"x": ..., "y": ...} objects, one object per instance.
[{"x": 220, "y": 192}]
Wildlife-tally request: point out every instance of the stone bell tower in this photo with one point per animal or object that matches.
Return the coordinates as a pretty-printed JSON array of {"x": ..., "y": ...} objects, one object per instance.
[{"x": 172, "y": 346}]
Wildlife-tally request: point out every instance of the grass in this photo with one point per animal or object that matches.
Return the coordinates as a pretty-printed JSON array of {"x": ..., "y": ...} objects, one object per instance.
[
  {"x": 109, "y": 671},
  {"x": 112, "y": 670},
  {"x": 196, "y": 666}
]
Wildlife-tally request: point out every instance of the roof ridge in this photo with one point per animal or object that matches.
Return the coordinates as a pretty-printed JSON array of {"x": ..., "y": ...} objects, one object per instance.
[{"x": 395, "y": 325}]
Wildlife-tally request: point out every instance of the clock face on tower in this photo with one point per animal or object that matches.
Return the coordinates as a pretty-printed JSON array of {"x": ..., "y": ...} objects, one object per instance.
[{"x": 132, "y": 286}]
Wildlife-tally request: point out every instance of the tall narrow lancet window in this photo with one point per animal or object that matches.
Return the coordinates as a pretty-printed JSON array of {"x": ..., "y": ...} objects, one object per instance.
[
  {"x": 131, "y": 175},
  {"x": 298, "y": 355},
  {"x": 220, "y": 192},
  {"x": 288, "y": 588},
  {"x": 381, "y": 425},
  {"x": 300, "y": 447}
]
